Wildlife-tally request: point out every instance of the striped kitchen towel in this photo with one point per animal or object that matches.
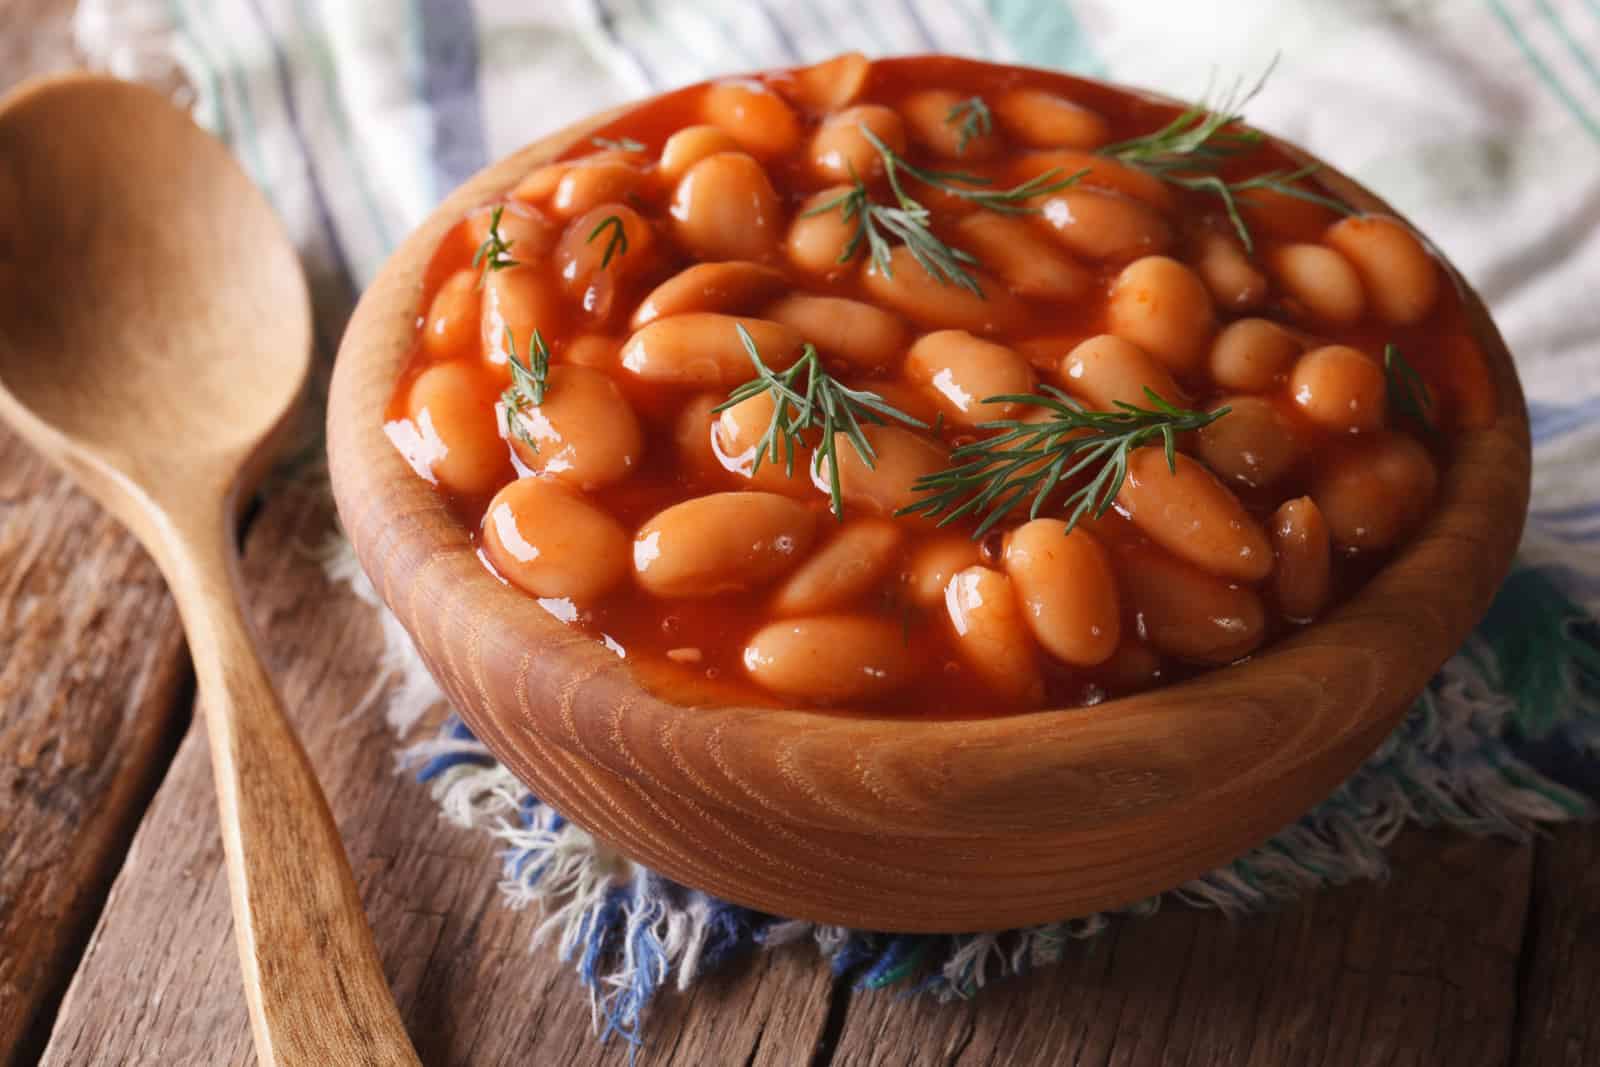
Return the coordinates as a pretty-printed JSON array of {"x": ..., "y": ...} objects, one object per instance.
[{"x": 1479, "y": 119}]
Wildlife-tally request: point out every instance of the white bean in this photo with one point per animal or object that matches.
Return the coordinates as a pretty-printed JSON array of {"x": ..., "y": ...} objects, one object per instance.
[
  {"x": 1187, "y": 613},
  {"x": 1222, "y": 263},
  {"x": 902, "y": 457},
  {"x": 725, "y": 208},
  {"x": 721, "y": 543},
  {"x": 1163, "y": 307},
  {"x": 1106, "y": 370},
  {"x": 961, "y": 371},
  {"x": 1067, "y": 589},
  {"x": 704, "y": 349},
  {"x": 1302, "y": 580},
  {"x": 722, "y": 287},
  {"x": 755, "y": 116},
  {"x": 550, "y": 542},
  {"x": 1104, "y": 225},
  {"x": 1320, "y": 282},
  {"x": 831, "y": 84},
  {"x": 927, "y": 115},
  {"x": 1044, "y": 119},
  {"x": 1026, "y": 259},
  {"x": 818, "y": 239},
  {"x": 864, "y": 337},
  {"x": 1252, "y": 355},
  {"x": 584, "y": 433},
  {"x": 831, "y": 659},
  {"x": 909, "y": 289},
  {"x": 1255, "y": 444},
  {"x": 853, "y": 561},
  {"x": 992, "y": 636},
  {"x": 934, "y": 562},
  {"x": 690, "y": 145},
  {"x": 841, "y": 152},
  {"x": 1193, "y": 516},
  {"x": 455, "y": 440},
  {"x": 1400, "y": 278}
]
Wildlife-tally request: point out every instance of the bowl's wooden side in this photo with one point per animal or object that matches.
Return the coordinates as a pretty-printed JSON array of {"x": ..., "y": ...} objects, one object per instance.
[{"x": 904, "y": 825}]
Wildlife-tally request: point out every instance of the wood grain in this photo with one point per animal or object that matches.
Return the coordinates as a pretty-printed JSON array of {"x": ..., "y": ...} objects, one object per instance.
[
  {"x": 91, "y": 667},
  {"x": 209, "y": 365},
  {"x": 894, "y": 823},
  {"x": 91, "y": 672},
  {"x": 1559, "y": 1013},
  {"x": 1416, "y": 971},
  {"x": 160, "y": 984}
]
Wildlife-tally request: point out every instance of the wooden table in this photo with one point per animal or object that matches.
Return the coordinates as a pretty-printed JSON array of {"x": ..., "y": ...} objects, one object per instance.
[{"x": 115, "y": 945}]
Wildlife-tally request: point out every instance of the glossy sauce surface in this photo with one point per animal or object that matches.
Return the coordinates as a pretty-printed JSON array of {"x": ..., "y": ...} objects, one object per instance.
[{"x": 638, "y": 517}]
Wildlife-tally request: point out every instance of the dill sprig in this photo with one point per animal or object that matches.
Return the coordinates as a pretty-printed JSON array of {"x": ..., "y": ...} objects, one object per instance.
[
  {"x": 1188, "y": 151},
  {"x": 823, "y": 404},
  {"x": 528, "y": 383},
  {"x": 1408, "y": 395},
  {"x": 972, "y": 118},
  {"x": 1201, "y": 135},
  {"x": 616, "y": 244},
  {"x": 880, "y": 225},
  {"x": 908, "y": 220},
  {"x": 618, "y": 144},
  {"x": 974, "y": 188},
  {"x": 994, "y": 475},
  {"x": 494, "y": 253}
]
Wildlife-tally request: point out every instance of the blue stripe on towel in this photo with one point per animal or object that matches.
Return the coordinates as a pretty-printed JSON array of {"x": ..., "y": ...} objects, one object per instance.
[
  {"x": 925, "y": 38},
  {"x": 1046, "y": 35},
  {"x": 1545, "y": 72},
  {"x": 779, "y": 32},
  {"x": 606, "y": 21},
  {"x": 280, "y": 69},
  {"x": 1549, "y": 421},
  {"x": 459, "y": 147},
  {"x": 1579, "y": 55}
]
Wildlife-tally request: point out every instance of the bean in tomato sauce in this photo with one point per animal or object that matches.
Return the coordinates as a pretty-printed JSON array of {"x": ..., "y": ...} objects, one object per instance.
[{"x": 929, "y": 386}]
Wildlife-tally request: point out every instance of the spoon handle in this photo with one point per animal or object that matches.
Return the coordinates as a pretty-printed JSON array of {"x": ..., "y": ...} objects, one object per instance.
[{"x": 312, "y": 977}]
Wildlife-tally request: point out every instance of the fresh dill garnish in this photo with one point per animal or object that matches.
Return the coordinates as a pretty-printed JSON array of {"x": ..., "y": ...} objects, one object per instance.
[
  {"x": 618, "y": 144},
  {"x": 907, "y": 219},
  {"x": 528, "y": 383},
  {"x": 878, "y": 225},
  {"x": 616, "y": 244},
  {"x": 993, "y": 475},
  {"x": 1408, "y": 395},
  {"x": 822, "y": 403},
  {"x": 974, "y": 188},
  {"x": 971, "y": 118},
  {"x": 1190, "y": 149},
  {"x": 495, "y": 251}
]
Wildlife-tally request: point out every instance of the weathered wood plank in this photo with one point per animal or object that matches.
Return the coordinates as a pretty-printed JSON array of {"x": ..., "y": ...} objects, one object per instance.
[
  {"x": 1559, "y": 1020},
  {"x": 1421, "y": 970},
  {"x": 91, "y": 668},
  {"x": 160, "y": 977}
]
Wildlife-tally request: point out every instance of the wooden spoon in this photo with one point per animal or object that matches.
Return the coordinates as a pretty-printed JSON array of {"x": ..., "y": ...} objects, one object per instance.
[{"x": 155, "y": 336}]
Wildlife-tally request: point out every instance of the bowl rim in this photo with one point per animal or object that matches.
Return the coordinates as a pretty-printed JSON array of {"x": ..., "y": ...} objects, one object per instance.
[{"x": 1220, "y": 741}]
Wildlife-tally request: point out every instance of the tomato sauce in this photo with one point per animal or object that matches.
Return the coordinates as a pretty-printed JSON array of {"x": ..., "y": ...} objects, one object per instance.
[{"x": 697, "y": 648}]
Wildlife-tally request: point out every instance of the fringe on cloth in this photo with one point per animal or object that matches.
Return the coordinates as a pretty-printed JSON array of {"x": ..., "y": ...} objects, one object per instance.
[{"x": 1474, "y": 753}]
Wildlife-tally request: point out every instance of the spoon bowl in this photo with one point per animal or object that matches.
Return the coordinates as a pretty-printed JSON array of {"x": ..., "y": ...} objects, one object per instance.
[
  {"x": 155, "y": 317},
  {"x": 155, "y": 335}
]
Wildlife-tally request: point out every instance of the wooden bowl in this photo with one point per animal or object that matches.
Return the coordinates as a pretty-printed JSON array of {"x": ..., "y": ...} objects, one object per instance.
[{"x": 892, "y": 823}]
